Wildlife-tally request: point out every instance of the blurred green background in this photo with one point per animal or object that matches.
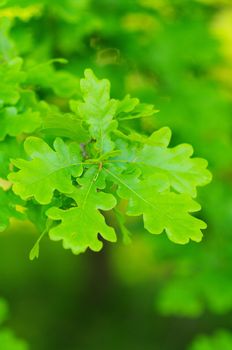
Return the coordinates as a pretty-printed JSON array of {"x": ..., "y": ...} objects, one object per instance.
[{"x": 151, "y": 294}]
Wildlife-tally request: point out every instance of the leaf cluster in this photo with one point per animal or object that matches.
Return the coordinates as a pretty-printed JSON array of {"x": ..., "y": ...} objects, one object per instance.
[{"x": 77, "y": 165}]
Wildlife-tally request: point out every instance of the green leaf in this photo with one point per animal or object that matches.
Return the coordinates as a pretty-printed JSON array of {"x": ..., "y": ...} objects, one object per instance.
[
  {"x": 97, "y": 110},
  {"x": 181, "y": 298},
  {"x": 34, "y": 253},
  {"x": 127, "y": 105},
  {"x": 7, "y": 46},
  {"x": 8, "y": 203},
  {"x": 48, "y": 169},
  {"x": 70, "y": 182},
  {"x": 160, "y": 138},
  {"x": 10, "y": 77},
  {"x": 220, "y": 340},
  {"x": 131, "y": 108},
  {"x": 63, "y": 83},
  {"x": 13, "y": 123},
  {"x": 62, "y": 124},
  {"x": 80, "y": 225},
  {"x": 7, "y": 339},
  {"x": 9, "y": 342},
  {"x": 10, "y": 148},
  {"x": 161, "y": 209},
  {"x": 184, "y": 173}
]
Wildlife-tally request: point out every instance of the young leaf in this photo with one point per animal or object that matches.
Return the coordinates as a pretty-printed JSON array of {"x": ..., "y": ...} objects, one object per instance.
[
  {"x": 127, "y": 105},
  {"x": 161, "y": 209},
  {"x": 47, "y": 170},
  {"x": 59, "y": 124},
  {"x": 131, "y": 108},
  {"x": 13, "y": 123},
  {"x": 98, "y": 110},
  {"x": 80, "y": 225},
  {"x": 184, "y": 173},
  {"x": 34, "y": 253},
  {"x": 89, "y": 170}
]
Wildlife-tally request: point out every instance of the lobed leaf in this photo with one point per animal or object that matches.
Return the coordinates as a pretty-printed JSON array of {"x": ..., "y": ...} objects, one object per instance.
[
  {"x": 161, "y": 209},
  {"x": 62, "y": 124},
  {"x": 104, "y": 156},
  {"x": 47, "y": 170},
  {"x": 13, "y": 123},
  {"x": 184, "y": 173},
  {"x": 97, "y": 110},
  {"x": 80, "y": 225}
]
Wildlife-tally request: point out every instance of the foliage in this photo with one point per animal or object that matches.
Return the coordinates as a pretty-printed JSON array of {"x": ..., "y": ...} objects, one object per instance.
[
  {"x": 174, "y": 53},
  {"x": 82, "y": 175},
  {"x": 7, "y": 339},
  {"x": 220, "y": 340}
]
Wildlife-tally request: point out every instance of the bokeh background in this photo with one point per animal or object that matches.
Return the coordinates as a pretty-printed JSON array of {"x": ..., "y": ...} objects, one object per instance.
[{"x": 150, "y": 294}]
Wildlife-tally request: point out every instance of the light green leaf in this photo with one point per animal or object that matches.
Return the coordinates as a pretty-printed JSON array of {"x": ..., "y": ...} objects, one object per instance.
[
  {"x": 184, "y": 173},
  {"x": 34, "y": 253},
  {"x": 8, "y": 203},
  {"x": 161, "y": 209},
  {"x": 7, "y": 46},
  {"x": 127, "y": 105},
  {"x": 13, "y": 123},
  {"x": 62, "y": 124},
  {"x": 9, "y": 342},
  {"x": 9, "y": 148},
  {"x": 221, "y": 340},
  {"x": 131, "y": 108},
  {"x": 48, "y": 169},
  {"x": 80, "y": 225},
  {"x": 98, "y": 110},
  {"x": 181, "y": 298},
  {"x": 10, "y": 77},
  {"x": 44, "y": 75},
  {"x": 160, "y": 138}
]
